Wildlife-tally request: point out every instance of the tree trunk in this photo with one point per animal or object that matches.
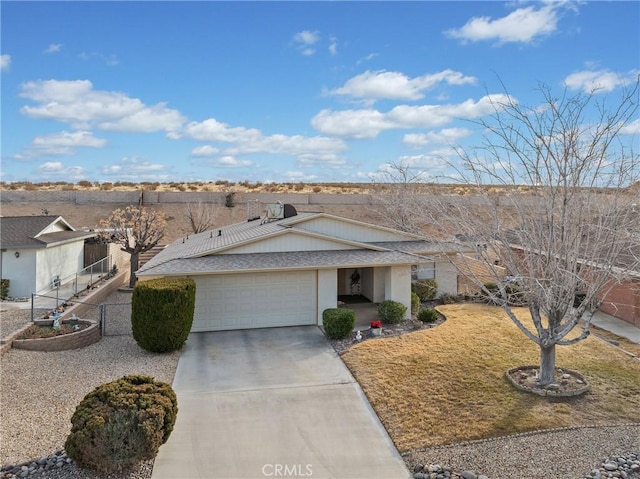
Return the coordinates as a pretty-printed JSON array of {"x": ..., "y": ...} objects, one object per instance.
[
  {"x": 134, "y": 268},
  {"x": 547, "y": 364}
]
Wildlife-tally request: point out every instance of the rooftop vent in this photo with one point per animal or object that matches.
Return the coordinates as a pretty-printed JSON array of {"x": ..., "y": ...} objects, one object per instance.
[{"x": 278, "y": 211}]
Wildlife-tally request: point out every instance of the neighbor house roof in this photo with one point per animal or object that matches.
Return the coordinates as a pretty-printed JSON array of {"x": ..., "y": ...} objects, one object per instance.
[
  {"x": 37, "y": 231},
  {"x": 201, "y": 253}
]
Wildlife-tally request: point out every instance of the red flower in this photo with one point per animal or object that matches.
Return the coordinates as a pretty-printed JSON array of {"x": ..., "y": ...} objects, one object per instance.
[{"x": 376, "y": 324}]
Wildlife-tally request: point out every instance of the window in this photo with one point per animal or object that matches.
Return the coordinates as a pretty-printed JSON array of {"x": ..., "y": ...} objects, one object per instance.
[{"x": 423, "y": 271}]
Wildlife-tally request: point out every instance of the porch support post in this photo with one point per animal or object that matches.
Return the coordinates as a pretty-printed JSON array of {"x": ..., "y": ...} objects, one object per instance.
[
  {"x": 397, "y": 286},
  {"x": 327, "y": 291}
]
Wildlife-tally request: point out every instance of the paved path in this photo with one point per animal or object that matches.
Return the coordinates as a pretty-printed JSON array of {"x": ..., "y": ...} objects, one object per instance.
[{"x": 272, "y": 402}]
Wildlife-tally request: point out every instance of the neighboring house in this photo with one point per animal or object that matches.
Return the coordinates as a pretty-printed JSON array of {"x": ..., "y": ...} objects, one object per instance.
[
  {"x": 38, "y": 251},
  {"x": 287, "y": 270}
]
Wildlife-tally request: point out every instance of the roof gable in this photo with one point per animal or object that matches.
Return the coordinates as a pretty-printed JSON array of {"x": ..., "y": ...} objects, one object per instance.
[
  {"x": 349, "y": 229},
  {"x": 36, "y": 231}
]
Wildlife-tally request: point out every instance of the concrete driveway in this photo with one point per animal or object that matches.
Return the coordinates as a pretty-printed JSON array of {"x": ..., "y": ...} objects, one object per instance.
[{"x": 273, "y": 402}]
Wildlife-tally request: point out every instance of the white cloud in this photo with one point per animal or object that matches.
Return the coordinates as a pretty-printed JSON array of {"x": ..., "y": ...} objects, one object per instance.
[
  {"x": 367, "y": 58},
  {"x": 57, "y": 169},
  {"x": 368, "y": 123},
  {"x": 5, "y": 62},
  {"x": 333, "y": 46},
  {"x": 632, "y": 128},
  {"x": 231, "y": 162},
  {"x": 63, "y": 143},
  {"x": 305, "y": 42},
  {"x": 53, "y": 48},
  {"x": 598, "y": 80},
  {"x": 109, "y": 60},
  {"x": 298, "y": 176},
  {"x": 397, "y": 86},
  {"x": 245, "y": 141},
  {"x": 76, "y": 103},
  {"x": 133, "y": 167},
  {"x": 446, "y": 136},
  {"x": 206, "y": 150},
  {"x": 523, "y": 25}
]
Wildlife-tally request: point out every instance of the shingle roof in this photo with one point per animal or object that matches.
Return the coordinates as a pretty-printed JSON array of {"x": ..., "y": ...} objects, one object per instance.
[
  {"x": 197, "y": 254},
  {"x": 23, "y": 231},
  {"x": 227, "y": 263}
]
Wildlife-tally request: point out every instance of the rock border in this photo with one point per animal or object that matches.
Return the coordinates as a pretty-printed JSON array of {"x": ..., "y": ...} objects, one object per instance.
[
  {"x": 63, "y": 342},
  {"x": 548, "y": 392}
]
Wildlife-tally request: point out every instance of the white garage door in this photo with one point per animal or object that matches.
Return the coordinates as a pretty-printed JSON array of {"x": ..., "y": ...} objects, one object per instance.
[{"x": 255, "y": 300}]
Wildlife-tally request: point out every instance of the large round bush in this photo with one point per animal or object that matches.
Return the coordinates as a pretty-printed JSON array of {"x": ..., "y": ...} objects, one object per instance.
[
  {"x": 122, "y": 423},
  {"x": 338, "y": 322},
  {"x": 391, "y": 312},
  {"x": 162, "y": 313}
]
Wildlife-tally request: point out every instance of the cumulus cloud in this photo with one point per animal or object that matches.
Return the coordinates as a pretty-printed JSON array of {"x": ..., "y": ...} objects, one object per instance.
[
  {"x": 368, "y": 123},
  {"x": 305, "y": 41},
  {"x": 333, "y": 46},
  {"x": 632, "y": 128},
  {"x": 245, "y": 141},
  {"x": 599, "y": 80},
  {"x": 397, "y": 86},
  {"x": 53, "y": 48},
  {"x": 206, "y": 150},
  {"x": 132, "y": 167},
  {"x": 445, "y": 136},
  {"x": 5, "y": 62},
  {"x": 57, "y": 169},
  {"x": 231, "y": 162},
  {"x": 76, "y": 103},
  {"x": 523, "y": 25},
  {"x": 62, "y": 143}
]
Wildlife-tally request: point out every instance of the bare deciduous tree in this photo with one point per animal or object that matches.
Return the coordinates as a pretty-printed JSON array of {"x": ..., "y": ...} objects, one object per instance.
[
  {"x": 564, "y": 226},
  {"x": 201, "y": 216},
  {"x": 136, "y": 230},
  {"x": 397, "y": 196}
]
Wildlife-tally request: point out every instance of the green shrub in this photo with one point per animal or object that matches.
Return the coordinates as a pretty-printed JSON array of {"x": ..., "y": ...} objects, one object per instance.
[
  {"x": 428, "y": 315},
  {"x": 338, "y": 322},
  {"x": 391, "y": 312},
  {"x": 121, "y": 423},
  {"x": 162, "y": 313},
  {"x": 415, "y": 303},
  {"x": 4, "y": 288},
  {"x": 426, "y": 289},
  {"x": 447, "y": 298}
]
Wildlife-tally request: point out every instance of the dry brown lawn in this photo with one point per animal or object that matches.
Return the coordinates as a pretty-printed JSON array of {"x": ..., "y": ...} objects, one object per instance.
[{"x": 447, "y": 384}]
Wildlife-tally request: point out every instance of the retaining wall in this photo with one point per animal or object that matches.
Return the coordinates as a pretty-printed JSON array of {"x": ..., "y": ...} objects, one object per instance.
[{"x": 76, "y": 340}]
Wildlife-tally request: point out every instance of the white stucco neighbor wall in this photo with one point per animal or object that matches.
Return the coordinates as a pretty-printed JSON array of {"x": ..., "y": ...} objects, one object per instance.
[
  {"x": 63, "y": 261},
  {"x": 21, "y": 272},
  {"x": 397, "y": 286},
  {"x": 446, "y": 277},
  {"x": 327, "y": 291},
  {"x": 378, "y": 285}
]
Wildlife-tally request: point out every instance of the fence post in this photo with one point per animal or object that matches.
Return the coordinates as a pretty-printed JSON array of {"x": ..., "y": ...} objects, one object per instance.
[
  {"x": 32, "y": 313},
  {"x": 103, "y": 319}
]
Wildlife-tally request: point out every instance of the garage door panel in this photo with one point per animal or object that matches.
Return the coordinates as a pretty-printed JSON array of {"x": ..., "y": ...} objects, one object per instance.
[{"x": 243, "y": 301}]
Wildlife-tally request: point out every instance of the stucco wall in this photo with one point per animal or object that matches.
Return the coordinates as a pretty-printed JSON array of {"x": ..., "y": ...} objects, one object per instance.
[
  {"x": 327, "y": 290},
  {"x": 397, "y": 286},
  {"x": 446, "y": 277},
  {"x": 63, "y": 261},
  {"x": 21, "y": 272}
]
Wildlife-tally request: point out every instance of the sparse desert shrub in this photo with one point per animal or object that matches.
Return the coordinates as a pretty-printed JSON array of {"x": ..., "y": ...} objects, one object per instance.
[
  {"x": 299, "y": 187},
  {"x": 426, "y": 289},
  {"x": 85, "y": 183},
  {"x": 391, "y": 312},
  {"x": 4, "y": 288},
  {"x": 447, "y": 298},
  {"x": 106, "y": 186},
  {"x": 428, "y": 315},
  {"x": 415, "y": 303},
  {"x": 121, "y": 423},
  {"x": 338, "y": 322},
  {"x": 317, "y": 189},
  {"x": 162, "y": 313}
]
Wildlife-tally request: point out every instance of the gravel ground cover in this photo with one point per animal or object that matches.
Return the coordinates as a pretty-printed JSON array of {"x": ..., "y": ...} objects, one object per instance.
[{"x": 40, "y": 390}]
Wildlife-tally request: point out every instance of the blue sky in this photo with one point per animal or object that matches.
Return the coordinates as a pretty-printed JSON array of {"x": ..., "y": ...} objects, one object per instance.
[{"x": 284, "y": 91}]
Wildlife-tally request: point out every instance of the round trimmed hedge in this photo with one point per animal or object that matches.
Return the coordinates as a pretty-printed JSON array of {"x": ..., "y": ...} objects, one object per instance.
[
  {"x": 391, "y": 312},
  {"x": 122, "y": 423},
  {"x": 338, "y": 322}
]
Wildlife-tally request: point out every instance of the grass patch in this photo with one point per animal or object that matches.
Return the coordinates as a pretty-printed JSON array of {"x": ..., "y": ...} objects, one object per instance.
[{"x": 447, "y": 384}]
